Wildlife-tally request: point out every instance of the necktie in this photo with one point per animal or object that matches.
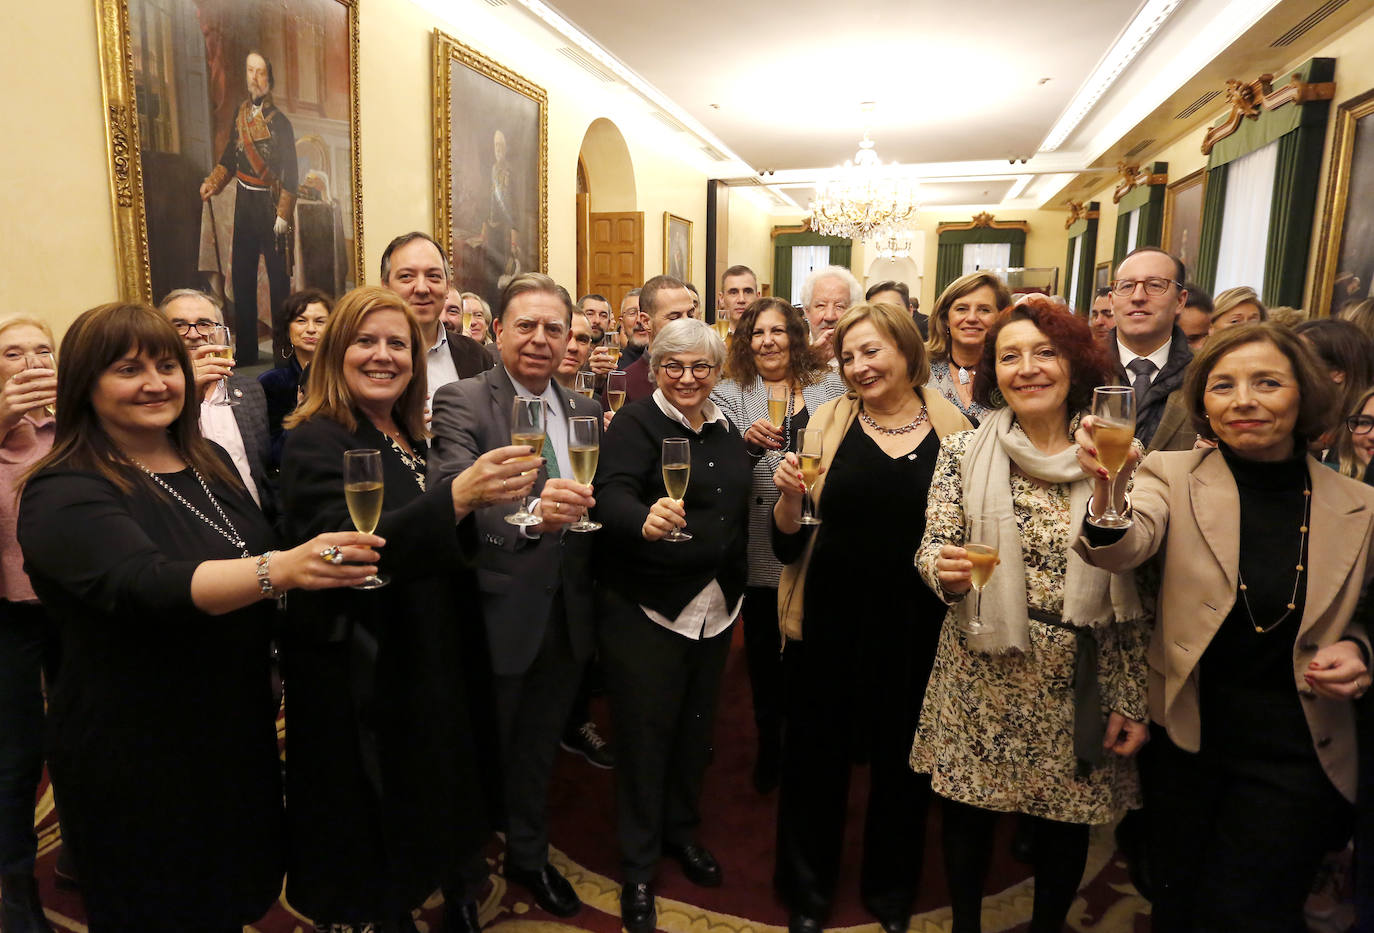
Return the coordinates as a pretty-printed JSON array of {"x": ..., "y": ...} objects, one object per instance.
[
  {"x": 550, "y": 457},
  {"x": 1142, "y": 368}
]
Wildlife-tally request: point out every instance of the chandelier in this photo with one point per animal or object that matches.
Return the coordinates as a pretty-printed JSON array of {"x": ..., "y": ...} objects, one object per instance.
[
  {"x": 865, "y": 200},
  {"x": 893, "y": 241}
]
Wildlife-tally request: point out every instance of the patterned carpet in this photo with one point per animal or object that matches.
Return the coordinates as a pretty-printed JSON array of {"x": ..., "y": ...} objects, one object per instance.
[{"x": 738, "y": 827}]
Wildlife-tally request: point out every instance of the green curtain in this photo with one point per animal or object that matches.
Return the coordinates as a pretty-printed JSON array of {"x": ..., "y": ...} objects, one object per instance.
[
  {"x": 1068, "y": 269},
  {"x": 949, "y": 253},
  {"x": 841, "y": 255},
  {"x": 1291, "y": 215},
  {"x": 1123, "y": 233},
  {"x": 949, "y": 264},
  {"x": 1209, "y": 240},
  {"x": 1018, "y": 252},
  {"x": 782, "y": 272},
  {"x": 841, "y": 251}
]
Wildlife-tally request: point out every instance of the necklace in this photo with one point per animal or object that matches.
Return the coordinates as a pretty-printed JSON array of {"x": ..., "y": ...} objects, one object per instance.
[
  {"x": 915, "y": 423},
  {"x": 232, "y": 535},
  {"x": 1297, "y": 579}
]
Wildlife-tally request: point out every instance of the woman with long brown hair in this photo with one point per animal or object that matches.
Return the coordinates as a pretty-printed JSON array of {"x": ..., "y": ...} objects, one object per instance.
[
  {"x": 963, "y": 313},
  {"x": 158, "y": 568}
]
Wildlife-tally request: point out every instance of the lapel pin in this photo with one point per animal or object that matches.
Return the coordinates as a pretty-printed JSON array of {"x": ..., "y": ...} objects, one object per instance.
[{"x": 238, "y": 393}]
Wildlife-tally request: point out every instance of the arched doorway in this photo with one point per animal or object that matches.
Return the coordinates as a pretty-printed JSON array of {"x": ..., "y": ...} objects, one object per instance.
[{"x": 610, "y": 232}]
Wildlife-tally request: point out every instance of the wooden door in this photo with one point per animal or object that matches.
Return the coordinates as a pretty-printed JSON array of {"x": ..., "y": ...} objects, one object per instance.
[
  {"x": 583, "y": 253},
  {"x": 615, "y": 253}
]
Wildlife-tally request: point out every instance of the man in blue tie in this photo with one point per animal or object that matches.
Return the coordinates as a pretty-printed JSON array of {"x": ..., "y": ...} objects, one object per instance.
[{"x": 1147, "y": 297}]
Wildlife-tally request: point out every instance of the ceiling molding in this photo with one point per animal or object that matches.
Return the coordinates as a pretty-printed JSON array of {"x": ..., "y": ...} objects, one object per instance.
[
  {"x": 1247, "y": 99},
  {"x": 985, "y": 220},
  {"x": 1133, "y": 176}
]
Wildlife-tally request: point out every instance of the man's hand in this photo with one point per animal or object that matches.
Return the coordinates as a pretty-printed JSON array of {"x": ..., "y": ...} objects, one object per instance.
[
  {"x": 210, "y": 369},
  {"x": 279, "y": 226},
  {"x": 562, "y": 502},
  {"x": 207, "y": 191},
  {"x": 600, "y": 362}
]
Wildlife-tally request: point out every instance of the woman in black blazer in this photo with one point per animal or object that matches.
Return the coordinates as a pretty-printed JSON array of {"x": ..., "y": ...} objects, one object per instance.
[{"x": 388, "y": 749}]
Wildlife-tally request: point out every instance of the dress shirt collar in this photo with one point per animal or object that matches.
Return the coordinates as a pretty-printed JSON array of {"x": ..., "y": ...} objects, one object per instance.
[
  {"x": 1160, "y": 357},
  {"x": 710, "y": 411}
]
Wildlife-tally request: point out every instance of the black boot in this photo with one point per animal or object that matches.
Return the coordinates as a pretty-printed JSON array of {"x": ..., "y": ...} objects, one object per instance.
[{"x": 20, "y": 909}]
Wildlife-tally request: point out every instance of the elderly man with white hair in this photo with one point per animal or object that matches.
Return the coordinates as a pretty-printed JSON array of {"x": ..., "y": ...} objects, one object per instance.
[
  {"x": 826, "y": 294},
  {"x": 665, "y": 629}
]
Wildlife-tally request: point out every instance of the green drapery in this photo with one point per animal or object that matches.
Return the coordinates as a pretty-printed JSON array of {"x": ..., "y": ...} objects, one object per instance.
[
  {"x": 841, "y": 253},
  {"x": 1086, "y": 230},
  {"x": 1291, "y": 215},
  {"x": 1209, "y": 239},
  {"x": 1149, "y": 201},
  {"x": 1123, "y": 233},
  {"x": 949, "y": 254}
]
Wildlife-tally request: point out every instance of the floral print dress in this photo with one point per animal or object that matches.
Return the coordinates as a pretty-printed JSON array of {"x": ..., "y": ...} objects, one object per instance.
[{"x": 996, "y": 731}]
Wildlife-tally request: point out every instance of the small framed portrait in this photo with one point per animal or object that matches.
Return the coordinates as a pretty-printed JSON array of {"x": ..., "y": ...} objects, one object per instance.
[
  {"x": 677, "y": 246},
  {"x": 1102, "y": 276}
]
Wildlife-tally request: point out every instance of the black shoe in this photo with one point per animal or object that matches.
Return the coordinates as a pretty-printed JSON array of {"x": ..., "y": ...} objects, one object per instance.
[
  {"x": 588, "y": 743},
  {"x": 895, "y": 924},
  {"x": 461, "y": 917},
  {"x": 638, "y": 912},
  {"x": 550, "y": 889},
  {"x": 20, "y": 909},
  {"x": 801, "y": 923},
  {"x": 698, "y": 864}
]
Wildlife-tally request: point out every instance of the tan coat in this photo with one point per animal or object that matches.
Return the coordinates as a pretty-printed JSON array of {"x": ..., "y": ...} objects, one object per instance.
[
  {"x": 1190, "y": 498},
  {"x": 834, "y": 419}
]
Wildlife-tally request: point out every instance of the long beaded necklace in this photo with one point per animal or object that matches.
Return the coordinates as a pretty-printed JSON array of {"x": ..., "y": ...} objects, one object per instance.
[
  {"x": 1297, "y": 579},
  {"x": 232, "y": 535}
]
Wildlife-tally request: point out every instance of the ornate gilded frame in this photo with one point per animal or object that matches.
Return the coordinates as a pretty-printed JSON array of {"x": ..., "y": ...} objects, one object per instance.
[
  {"x": 448, "y": 50},
  {"x": 1171, "y": 194},
  {"x": 1337, "y": 199},
  {"x": 668, "y": 221},
  {"x": 122, "y": 139}
]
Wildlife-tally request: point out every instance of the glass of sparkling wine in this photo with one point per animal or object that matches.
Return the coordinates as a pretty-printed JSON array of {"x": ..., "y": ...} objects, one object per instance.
[
  {"x": 1114, "y": 413},
  {"x": 778, "y": 397},
  {"x": 222, "y": 336},
  {"x": 810, "y": 457},
  {"x": 527, "y": 428},
  {"x": 611, "y": 345},
  {"x": 677, "y": 469},
  {"x": 722, "y": 324},
  {"x": 363, "y": 491},
  {"x": 615, "y": 389},
  {"x": 981, "y": 547},
  {"x": 586, "y": 384},
  {"x": 584, "y": 450},
  {"x": 42, "y": 359}
]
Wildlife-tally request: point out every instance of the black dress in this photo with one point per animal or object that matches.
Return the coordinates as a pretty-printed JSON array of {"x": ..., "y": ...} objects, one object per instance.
[
  {"x": 857, "y": 680},
  {"x": 162, "y": 735},
  {"x": 384, "y": 801}
]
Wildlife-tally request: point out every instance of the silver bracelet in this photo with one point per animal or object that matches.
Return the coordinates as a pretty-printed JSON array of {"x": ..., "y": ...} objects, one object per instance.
[{"x": 264, "y": 570}]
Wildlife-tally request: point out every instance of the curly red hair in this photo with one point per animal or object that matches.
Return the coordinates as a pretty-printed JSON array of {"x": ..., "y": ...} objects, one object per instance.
[{"x": 1089, "y": 363}]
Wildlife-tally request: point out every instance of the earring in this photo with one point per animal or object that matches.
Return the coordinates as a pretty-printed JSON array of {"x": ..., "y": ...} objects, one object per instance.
[{"x": 287, "y": 350}]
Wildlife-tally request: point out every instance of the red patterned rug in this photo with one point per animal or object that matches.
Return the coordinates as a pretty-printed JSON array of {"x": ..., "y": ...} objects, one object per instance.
[{"x": 738, "y": 827}]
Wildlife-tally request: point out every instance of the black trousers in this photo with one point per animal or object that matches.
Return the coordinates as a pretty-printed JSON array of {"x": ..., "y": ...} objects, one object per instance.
[
  {"x": 254, "y": 214},
  {"x": 763, "y": 652},
  {"x": 531, "y": 709},
  {"x": 663, "y": 688},
  {"x": 1236, "y": 839},
  {"x": 28, "y": 649},
  {"x": 818, "y": 746},
  {"x": 1364, "y": 819}
]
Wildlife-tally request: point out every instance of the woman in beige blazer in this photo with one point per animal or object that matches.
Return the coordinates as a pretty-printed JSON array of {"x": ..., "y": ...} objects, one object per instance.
[
  {"x": 1255, "y": 656},
  {"x": 857, "y": 680}
]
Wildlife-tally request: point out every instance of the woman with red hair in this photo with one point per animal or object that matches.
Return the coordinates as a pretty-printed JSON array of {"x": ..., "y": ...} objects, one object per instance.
[{"x": 1040, "y": 709}]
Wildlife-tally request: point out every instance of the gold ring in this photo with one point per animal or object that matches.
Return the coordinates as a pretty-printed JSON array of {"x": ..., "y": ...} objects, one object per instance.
[
  {"x": 504, "y": 484},
  {"x": 558, "y": 508}
]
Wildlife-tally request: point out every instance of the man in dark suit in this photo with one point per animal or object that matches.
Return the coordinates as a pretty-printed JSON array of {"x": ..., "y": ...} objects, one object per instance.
[
  {"x": 415, "y": 267},
  {"x": 1147, "y": 297},
  {"x": 241, "y": 426},
  {"x": 662, "y": 300},
  {"x": 535, "y": 583}
]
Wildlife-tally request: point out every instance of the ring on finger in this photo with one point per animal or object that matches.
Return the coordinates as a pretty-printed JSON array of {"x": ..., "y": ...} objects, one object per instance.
[{"x": 332, "y": 554}]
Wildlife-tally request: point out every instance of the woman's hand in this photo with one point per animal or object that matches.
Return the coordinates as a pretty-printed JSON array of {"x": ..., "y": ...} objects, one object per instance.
[
  {"x": 562, "y": 502},
  {"x": 788, "y": 478},
  {"x": 305, "y": 567},
  {"x": 762, "y": 434},
  {"x": 1338, "y": 672},
  {"x": 664, "y": 515},
  {"x": 499, "y": 476},
  {"x": 26, "y": 390},
  {"x": 209, "y": 369},
  {"x": 1087, "y": 459},
  {"x": 954, "y": 570},
  {"x": 1124, "y": 736}
]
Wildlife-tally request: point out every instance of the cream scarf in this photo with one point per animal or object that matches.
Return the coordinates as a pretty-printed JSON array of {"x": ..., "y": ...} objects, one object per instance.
[{"x": 1092, "y": 597}]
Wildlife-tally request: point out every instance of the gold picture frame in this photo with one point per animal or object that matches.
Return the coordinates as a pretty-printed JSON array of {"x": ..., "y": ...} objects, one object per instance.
[
  {"x": 1180, "y": 221},
  {"x": 491, "y": 197},
  {"x": 188, "y": 116},
  {"x": 1337, "y": 260},
  {"x": 677, "y": 247}
]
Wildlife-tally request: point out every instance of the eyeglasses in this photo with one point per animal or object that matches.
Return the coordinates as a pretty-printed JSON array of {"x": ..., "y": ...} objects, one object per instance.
[
  {"x": 203, "y": 327},
  {"x": 1360, "y": 424},
  {"x": 1154, "y": 286},
  {"x": 674, "y": 369}
]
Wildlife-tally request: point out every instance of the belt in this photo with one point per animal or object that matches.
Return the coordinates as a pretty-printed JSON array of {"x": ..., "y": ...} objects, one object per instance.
[{"x": 1088, "y": 727}]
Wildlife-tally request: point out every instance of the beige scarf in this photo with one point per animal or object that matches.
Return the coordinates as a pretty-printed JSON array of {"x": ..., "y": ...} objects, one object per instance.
[{"x": 1092, "y": 597}]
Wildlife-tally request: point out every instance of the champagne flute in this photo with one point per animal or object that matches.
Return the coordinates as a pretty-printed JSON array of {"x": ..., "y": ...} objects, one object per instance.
[
  {"x": 1113, "y": 431},
  {"x": 42, "y": 359},
  {"x": 586, "y": 384},
  {"x": 677, "y": 470},
  {"x": 527, "y": 428},
  {"x": 364, "y": 492},
  {"x": 810, "y": 450},
  {"x": 467, "y": 320},
  {"x": 722, "y": 324},
  {"x": 611, "y": 345},
  {"x": 981, "y": 546},
  {"x": 615, "y": 389},
  {"x": 778, "y": 397},
  {"x": 222, "y": 336},
  {"x": 584, "y": 450}
]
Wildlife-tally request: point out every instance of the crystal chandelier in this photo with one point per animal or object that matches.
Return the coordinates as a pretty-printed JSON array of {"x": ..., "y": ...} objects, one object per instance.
[
  {"x": 864, "y": 199},
  {"x": 894, "y": 241}
]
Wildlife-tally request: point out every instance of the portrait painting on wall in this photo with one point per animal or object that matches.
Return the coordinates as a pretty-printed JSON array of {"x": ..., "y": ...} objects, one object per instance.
[
  {"x": 1183, "y": 217},
  {"x": 1102, "y": 276},
  {"x": 233, "y": 133},
  {"x": 677, "y": 247},
  {"x": 491, "y": 133},
  {"x": 1345, "y": 243}
]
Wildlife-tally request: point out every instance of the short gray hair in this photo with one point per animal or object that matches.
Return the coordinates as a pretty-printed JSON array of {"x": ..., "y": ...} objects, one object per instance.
[
  {"x": 856, "y": 291},
  {"x": 686, "y": 335},
  {"x": 179, "y": 293}
]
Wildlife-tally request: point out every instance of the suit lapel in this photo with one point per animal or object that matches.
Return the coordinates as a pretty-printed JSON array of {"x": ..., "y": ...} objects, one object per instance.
[
  {"x": 1215, "y": 502},
  {"x": 1338, "y": 524}
]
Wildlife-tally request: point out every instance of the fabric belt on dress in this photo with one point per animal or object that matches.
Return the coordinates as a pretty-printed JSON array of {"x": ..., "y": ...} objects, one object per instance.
[{"x": 1088, "y": 727}]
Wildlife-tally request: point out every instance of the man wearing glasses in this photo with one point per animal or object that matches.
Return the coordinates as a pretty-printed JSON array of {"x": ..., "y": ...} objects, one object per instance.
[
  {"x": 1147, "y": 297},
  {"x": 235, "y": 419}
]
